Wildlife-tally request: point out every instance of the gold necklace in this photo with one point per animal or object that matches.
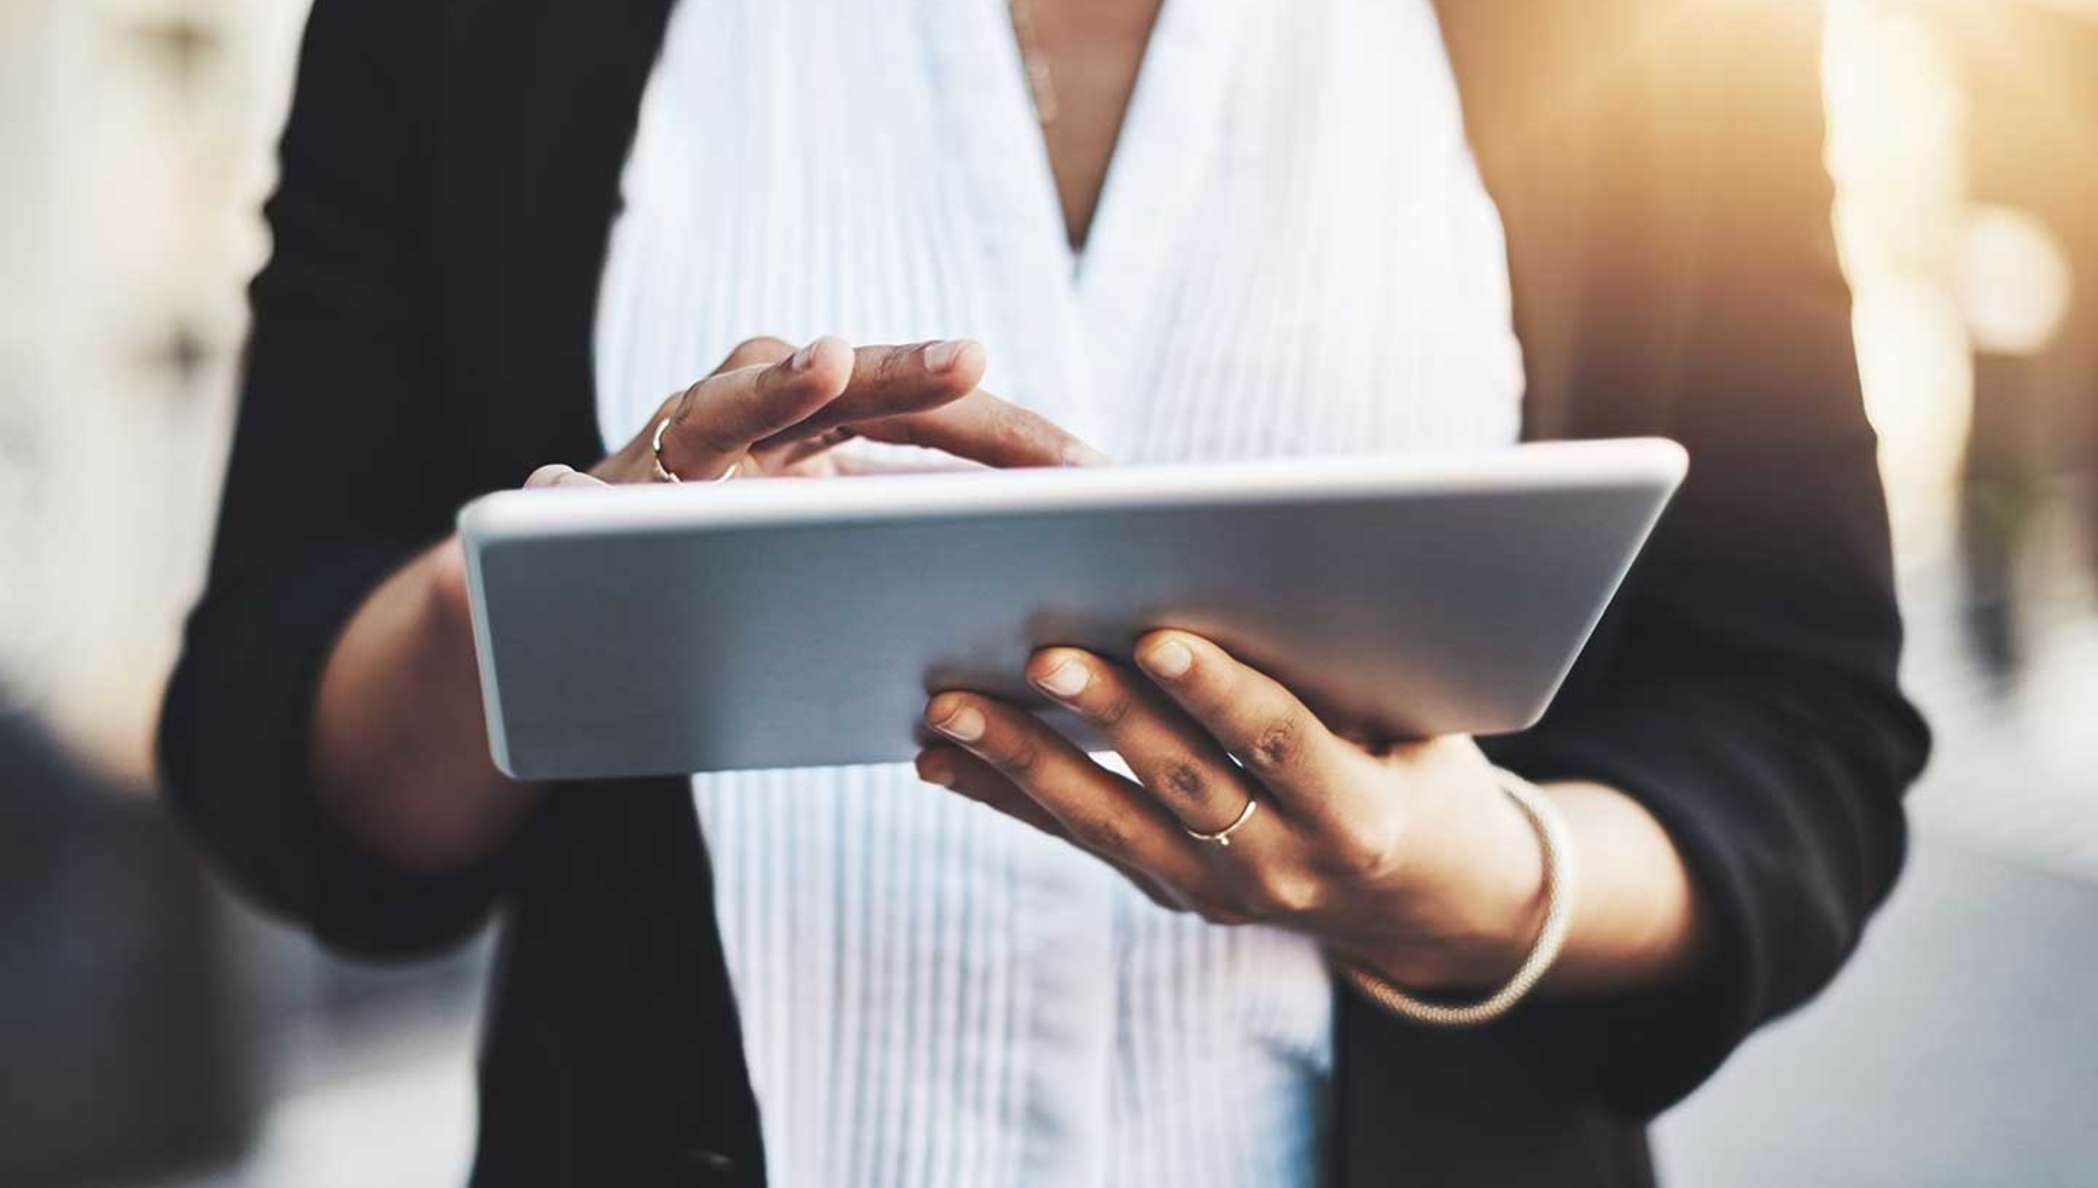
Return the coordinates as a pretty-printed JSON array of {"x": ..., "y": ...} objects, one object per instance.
[{"x": 1040, "y": 83}]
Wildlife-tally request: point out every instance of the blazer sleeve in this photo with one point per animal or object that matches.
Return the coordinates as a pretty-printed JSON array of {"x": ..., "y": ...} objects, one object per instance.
[
  {"x": 1750, "y": 698},
  {"x": 338, "y": 474}
]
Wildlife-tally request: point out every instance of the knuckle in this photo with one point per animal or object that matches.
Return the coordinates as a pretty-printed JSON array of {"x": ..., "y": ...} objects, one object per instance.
[
  {"x": 682, "y": 405},
  {"x": 1276, "y": 744},
  {"x": 1104, "y": 832},
  {"x": 897, "y": 363},
  {"x": 1112, "y": 708},
  {"x": 1363, "y": 854},
  {"x": 1020, "y": 755},
  {"x": 700, "y": 424},
  {"x": 1184, "y": 779}
]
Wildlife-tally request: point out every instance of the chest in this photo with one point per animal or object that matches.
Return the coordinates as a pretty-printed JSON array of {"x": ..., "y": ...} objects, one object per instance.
[
  {"x": 1292, "y": 252},
  {"x": 1081, "y": 58}
]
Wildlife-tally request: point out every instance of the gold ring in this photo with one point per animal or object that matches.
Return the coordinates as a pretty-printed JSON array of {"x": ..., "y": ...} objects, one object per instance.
[
  {"x": 666, "y": 475},
  {"x": 1222, "y": 837}
]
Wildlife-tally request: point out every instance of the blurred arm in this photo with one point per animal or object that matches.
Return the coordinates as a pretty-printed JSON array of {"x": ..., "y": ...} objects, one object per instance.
[{"x": 342, "y": 470}]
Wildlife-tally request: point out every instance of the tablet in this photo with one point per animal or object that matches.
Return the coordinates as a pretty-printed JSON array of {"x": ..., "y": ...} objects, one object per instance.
[{"x": 795, "y": 623}]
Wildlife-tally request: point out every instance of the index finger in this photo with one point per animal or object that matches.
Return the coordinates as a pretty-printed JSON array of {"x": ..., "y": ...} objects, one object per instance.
[
  {"x": 892, "y": 380},
  {"x": 982, "y": 428},
  {"x": 1272, "y": 734}
]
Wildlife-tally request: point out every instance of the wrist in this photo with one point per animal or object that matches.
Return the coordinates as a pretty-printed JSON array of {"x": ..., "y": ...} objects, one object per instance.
[
  {"x": 1542, "y": 952},
  {"x": 400, "y": 751},
  {"x": 1513, "y": 896},
  {"x": 1482, "y": 913}
]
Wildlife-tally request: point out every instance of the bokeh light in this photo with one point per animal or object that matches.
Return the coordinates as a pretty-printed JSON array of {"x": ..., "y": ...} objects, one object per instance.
[{"x": 2015, "y": 284}]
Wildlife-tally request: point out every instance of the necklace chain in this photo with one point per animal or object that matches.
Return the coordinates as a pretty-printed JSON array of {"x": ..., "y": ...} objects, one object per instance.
[{"x": 1040, "y": 82}]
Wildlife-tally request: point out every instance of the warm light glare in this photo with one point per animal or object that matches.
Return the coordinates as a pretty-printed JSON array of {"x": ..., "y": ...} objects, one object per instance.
[
  {"x": 2015, "y": 283},
  {"x": 1897, "y": 123}
]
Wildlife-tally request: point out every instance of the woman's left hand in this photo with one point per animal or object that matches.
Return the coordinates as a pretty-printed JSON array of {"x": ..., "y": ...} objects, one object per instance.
[{"x": 1408, "y": 860}]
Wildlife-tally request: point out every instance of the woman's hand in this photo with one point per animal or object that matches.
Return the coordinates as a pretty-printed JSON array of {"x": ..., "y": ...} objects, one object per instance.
[
  {"x": 400, "y": 747},
  {"x": 774, "y": 411},
  {"x": 1408, "y": 860}
]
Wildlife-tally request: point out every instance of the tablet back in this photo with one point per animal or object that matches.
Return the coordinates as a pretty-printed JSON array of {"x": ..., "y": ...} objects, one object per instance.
[{"x": 766, "y": 624}]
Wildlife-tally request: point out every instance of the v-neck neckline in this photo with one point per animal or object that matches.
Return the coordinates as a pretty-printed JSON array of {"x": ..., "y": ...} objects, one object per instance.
[
  {"x": 1078, "y": 302},
  {"x": 1173, "y": 123},
  {"x": 1174, "y": 112}
]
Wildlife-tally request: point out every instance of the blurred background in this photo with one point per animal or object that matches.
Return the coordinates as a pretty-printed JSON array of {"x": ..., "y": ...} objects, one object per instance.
[{"x": 155, "y": 1032}]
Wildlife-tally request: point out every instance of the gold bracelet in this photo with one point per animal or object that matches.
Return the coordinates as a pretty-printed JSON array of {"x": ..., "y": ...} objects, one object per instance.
[{"x": 1550, "y": 825}]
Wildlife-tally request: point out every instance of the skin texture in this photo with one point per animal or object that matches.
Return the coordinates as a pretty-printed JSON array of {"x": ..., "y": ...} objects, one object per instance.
[
  {"x": 1407, "y": 859},
  {"x": 1094, "y": 50}
]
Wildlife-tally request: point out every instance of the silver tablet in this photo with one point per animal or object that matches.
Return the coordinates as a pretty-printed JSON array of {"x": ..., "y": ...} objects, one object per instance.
[{"x": 659, "y": 629}]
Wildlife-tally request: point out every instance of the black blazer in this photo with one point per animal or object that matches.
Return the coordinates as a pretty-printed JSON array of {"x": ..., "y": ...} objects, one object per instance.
[{"x": 423, "y": 334}]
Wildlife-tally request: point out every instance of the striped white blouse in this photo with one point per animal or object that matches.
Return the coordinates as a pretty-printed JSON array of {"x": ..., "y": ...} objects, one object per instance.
[{"x": 1294, "y": 255}]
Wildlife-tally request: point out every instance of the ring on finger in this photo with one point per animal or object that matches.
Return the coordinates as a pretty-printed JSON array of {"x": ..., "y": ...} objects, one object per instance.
[
  {"x": 1222, "y": 837},
  {"x": 666, "y": 475}
]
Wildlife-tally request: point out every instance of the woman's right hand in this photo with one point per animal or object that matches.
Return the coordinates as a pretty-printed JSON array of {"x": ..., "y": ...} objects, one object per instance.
[
  {"x": 773, "y": 411},
  {"x": 400, "y": 747}
]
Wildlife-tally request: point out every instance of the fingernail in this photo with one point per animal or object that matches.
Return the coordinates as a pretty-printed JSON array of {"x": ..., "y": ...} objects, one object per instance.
[
  {"x": 805, "y": 358},
  {"x": 964, "y": 723},
  {"x": 1170, "y": 660},
  {"x": 936, "y": 771},
  {"x": 1068, "y": 679},
  {"x": 941, "y": 357},
  {"x": 1080, "y": 454}
]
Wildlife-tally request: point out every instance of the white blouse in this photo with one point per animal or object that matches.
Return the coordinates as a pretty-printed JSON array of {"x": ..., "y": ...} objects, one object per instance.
[{"x": 1293, "y": 255}]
